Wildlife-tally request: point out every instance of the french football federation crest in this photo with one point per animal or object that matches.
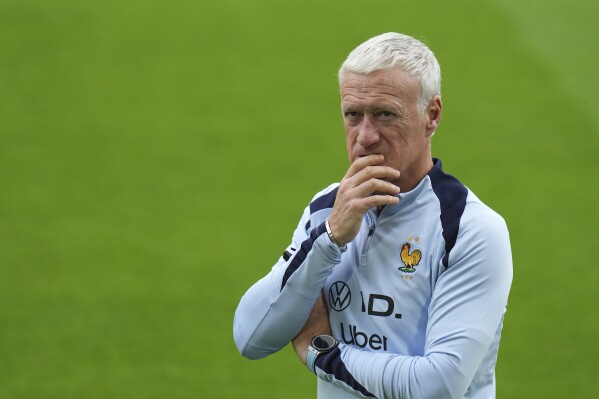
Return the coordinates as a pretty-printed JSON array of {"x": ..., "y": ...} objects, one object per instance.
[{"x": 410, "y": 260}]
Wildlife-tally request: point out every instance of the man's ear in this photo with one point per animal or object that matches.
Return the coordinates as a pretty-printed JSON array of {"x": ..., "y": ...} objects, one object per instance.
[{"x": 433, "y": 113}]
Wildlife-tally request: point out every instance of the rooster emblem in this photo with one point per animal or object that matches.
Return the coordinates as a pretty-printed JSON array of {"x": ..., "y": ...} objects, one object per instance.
[{"x": 410, "y": 260}]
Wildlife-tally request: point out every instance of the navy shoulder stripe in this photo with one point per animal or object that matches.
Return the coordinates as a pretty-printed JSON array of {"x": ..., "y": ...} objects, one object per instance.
[
  {"x": 302, "y": 253},
  {"x": 452, "y": 196},
  {"x": 322, "y": 202},
  {"x": 332, "y": 364}
]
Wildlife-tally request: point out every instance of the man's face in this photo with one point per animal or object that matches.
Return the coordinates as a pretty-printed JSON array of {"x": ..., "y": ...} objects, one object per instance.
[{"x": 380, "y": 115}]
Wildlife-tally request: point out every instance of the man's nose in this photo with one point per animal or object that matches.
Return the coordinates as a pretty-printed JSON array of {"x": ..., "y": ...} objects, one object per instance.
[{"x": 367, "y": 133}]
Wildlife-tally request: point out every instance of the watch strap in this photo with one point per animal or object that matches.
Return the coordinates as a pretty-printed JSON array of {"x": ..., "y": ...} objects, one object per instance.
[{"x": 311, "y": 359}]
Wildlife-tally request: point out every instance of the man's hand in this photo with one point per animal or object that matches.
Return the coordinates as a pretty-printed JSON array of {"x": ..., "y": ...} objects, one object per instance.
[
  {"x": 317, "y": 324},
  {"x": 362, "y": 187}
]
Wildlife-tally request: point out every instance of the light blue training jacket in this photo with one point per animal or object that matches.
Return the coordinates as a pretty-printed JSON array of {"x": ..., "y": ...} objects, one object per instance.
[{"x": 417, "y": 300}]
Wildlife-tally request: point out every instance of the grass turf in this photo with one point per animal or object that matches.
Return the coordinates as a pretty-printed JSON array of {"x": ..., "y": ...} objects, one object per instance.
[{"x": 155, "y": 157}]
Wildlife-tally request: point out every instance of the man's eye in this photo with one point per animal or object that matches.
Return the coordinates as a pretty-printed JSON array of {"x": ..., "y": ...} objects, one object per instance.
[
  {"x": 386, "y": 114},
  {"x": 351, "y": 114}
]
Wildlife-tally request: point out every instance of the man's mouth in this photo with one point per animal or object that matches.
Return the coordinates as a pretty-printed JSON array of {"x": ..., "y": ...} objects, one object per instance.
[{"x": 365, "y": 155}]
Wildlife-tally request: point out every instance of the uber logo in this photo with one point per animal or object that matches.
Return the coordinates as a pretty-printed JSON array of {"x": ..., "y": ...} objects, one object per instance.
[{"x": 339, "y": 296}]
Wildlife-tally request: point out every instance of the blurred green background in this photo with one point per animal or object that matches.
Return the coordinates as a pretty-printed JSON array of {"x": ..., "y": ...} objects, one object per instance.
[{"x": 155, "y": 157}]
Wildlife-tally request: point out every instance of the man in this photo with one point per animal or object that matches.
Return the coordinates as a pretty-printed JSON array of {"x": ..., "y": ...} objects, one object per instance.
[{"x": 414, "y": 269}]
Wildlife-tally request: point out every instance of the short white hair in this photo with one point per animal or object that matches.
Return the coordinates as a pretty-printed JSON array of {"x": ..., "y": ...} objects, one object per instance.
[{"x": 391, "y": 50}]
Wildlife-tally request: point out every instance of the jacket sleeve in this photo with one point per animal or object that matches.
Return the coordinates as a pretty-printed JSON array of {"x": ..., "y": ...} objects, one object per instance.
[
  {"x": 465, "y": 314},
  {"x": 274, "y": 310}
]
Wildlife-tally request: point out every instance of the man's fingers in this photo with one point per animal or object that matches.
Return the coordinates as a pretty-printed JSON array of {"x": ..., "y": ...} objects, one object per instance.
[
  {"x": 379, "y": 172},
  {"x": 361, "y": 163},
  {"x": 372, "y": 172},
  {"x": 372, "y": 186},
  {"x": 378, "y": 200}
]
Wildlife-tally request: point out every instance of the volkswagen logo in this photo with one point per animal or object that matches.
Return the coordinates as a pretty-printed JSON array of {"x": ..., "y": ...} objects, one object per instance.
[{"x": 339, "y": 296}]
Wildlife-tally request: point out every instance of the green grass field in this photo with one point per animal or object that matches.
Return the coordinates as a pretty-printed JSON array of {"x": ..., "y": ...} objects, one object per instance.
[{"x": 155, "y": 157}]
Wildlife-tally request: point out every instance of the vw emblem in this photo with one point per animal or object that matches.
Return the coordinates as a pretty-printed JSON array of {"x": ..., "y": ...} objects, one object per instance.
[{"x": 339, "y": 296}]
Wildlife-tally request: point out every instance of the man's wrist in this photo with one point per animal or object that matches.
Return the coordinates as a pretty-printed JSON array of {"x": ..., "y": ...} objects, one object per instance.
[
  {"x": 342, "y": 248},
  {"x": 321, "y": 345}
]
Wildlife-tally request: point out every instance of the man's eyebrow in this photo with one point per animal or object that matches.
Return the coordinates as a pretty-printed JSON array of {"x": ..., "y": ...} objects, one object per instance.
[
  {"x": 387, "y": 106},
  {"x": 350, "y": 104}
]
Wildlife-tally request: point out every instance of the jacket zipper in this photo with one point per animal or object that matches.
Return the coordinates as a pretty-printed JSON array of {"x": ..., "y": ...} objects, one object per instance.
[{"x": 372, "y": 223}]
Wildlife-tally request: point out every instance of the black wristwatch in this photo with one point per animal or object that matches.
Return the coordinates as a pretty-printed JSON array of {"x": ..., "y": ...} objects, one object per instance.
[{"x": 321, "y": 344}]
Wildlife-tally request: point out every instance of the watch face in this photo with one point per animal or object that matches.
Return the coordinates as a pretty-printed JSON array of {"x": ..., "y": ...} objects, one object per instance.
[{"x": 324, "y": 342}]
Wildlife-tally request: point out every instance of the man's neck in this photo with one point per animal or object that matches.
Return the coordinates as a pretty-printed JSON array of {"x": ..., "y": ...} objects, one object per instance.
[{"x": 410, "y": 178}]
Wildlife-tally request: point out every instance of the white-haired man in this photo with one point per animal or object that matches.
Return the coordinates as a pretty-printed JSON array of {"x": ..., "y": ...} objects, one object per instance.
[{"x": 396, "y": 279}]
